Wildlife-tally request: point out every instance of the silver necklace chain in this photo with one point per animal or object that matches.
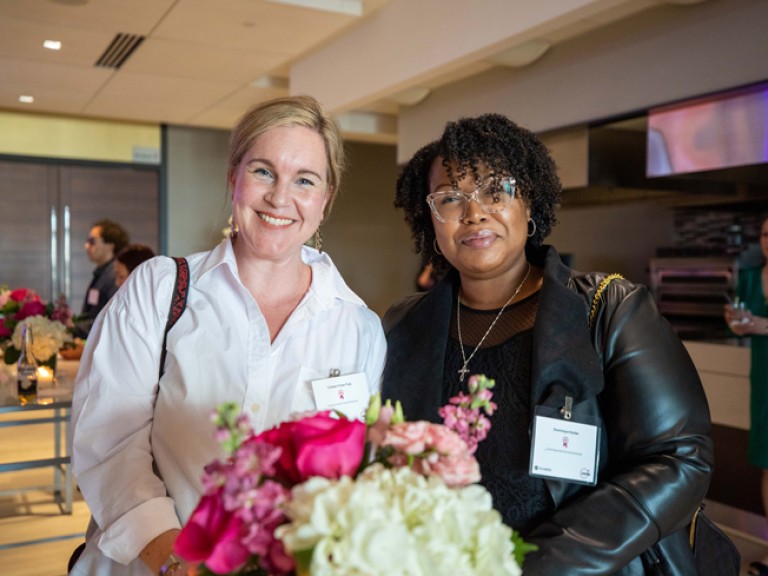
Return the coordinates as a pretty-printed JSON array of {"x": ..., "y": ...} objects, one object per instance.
[{"x": 463, "y": 371}]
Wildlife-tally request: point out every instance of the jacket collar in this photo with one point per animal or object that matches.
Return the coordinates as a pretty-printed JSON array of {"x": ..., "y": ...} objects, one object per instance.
[{"x": 564, "y": 360}]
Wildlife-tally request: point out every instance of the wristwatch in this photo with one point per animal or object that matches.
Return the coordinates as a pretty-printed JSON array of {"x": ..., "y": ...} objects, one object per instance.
[{"x": 171, "y": 566}]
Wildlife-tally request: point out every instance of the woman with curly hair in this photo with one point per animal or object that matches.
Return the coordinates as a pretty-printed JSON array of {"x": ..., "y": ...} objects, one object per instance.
[{"x": 586, "y": 370}]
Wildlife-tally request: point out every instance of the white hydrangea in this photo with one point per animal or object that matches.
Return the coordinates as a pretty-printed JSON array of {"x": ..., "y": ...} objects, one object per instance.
[
  {"x": 48, "y": 336},
  {"x": 395, "y": 522}
]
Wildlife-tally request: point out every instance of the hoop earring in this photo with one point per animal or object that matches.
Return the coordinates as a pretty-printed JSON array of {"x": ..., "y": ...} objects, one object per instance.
[
  {"x": 234, "y": 229},
  {"x": 531, "y": 232},
  {"x": 434, "y": 245},
  {"x": 318, "y": 240}
]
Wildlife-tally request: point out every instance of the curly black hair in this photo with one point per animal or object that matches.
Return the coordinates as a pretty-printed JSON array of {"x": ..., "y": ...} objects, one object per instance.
[{"x": 492, "y": 141}]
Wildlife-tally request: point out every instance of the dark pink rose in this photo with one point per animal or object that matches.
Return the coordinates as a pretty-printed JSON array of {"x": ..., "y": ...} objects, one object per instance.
[
  {"x": 212, "y": 537},
  {"x": 317, "y": 445},
  {"x": 31, "y": 308}
]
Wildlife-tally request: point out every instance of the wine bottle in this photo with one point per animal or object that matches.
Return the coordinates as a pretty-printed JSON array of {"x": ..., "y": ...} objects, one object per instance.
[{"x": 26, "y": 379}]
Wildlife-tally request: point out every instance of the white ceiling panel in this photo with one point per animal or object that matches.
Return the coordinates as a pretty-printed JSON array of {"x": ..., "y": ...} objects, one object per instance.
[
  {"x": 156, "y": 98},
  {"x": 199, "y": 59},
  {"x": 133, "y": 16}
]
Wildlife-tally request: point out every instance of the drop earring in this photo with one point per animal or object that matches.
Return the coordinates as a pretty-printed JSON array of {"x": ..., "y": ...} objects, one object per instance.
[{"x": 318, "y": 240}]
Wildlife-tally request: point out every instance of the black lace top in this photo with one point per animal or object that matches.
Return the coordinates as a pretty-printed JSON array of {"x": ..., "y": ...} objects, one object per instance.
[{"x": 504, "y": 455}]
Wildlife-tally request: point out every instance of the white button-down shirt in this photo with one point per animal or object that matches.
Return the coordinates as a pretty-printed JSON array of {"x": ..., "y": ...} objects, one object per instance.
[{"x": 219, "y": 351}]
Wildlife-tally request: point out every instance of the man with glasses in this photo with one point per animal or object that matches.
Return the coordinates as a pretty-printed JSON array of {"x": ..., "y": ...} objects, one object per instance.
[{"x": 105, "y": 240}]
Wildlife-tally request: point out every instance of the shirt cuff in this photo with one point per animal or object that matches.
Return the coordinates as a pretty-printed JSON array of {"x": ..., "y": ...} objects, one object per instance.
[{"x": 124, "y": 540}]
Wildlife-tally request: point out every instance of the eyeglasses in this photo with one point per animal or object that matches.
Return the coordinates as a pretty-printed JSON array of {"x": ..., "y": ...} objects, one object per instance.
[
  {"x": 492, "y": 196},
  {"x": 91, "y": 240}
]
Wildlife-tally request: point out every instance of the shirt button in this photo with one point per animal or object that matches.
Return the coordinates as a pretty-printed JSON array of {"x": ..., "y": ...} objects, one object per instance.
[{"x": 255, "y": 408}]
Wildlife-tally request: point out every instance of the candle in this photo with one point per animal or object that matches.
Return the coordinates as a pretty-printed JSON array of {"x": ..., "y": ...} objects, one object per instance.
[{"x": 44, "y": 377}]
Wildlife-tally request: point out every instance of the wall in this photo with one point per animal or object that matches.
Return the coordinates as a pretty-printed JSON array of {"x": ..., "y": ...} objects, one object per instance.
[
  {"x": 366, "y": 237},
  {"x": 196, "y": 189},
  {"x": 621, "y": 238},
  {"x": 51, "y": 136},
  {"x": 665, "y": 54}
]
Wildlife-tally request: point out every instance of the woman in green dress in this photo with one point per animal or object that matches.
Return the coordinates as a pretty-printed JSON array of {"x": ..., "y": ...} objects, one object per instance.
[{"x": 749, "y": 317}]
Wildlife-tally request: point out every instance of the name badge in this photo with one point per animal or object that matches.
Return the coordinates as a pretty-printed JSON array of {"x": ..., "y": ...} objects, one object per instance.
[
  {"x": 93, "y": 297},
  {"x": 347, "y": 394},
  {"x": 563, "y": 448}
]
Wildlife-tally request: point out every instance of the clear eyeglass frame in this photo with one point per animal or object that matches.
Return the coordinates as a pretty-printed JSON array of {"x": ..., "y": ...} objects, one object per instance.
[{"x": 493, "y": 195}]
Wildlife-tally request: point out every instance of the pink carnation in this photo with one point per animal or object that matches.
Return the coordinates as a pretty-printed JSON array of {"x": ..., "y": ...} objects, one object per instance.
[{"x": 434, "y": 450}]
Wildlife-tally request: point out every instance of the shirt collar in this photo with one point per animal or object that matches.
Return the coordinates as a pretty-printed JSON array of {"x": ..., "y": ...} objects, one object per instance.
[{"x": 327, "y": 283}]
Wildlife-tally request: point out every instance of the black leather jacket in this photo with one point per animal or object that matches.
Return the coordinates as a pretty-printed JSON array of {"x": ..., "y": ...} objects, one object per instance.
[{"x": 632, "y": 373}]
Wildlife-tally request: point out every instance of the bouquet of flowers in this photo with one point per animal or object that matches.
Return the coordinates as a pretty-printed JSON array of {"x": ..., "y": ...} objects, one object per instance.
[
  {"x": 49, "y": 323},
  {"x": 324, "y": 495}
]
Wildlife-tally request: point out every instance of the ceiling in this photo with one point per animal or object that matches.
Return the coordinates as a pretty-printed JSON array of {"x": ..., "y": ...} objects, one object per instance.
[{"x": 204, "y": 62}]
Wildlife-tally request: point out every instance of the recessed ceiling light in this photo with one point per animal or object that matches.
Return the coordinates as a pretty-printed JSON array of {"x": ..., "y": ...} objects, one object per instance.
[
  {"x": 523, "y": 54},
  {"x": 411, "y": 96},
  {"x": 52, "y": 45},
  {"x": 26, "y": 99}
]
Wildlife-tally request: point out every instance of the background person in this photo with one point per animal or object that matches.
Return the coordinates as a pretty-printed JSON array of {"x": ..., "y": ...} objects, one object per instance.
[
  {"x": 105, "y": 239},
  {"x": 128, "y": 258},
  {"x": 479, "y": 203},
  {"x": 750, "y": 318},
  {"x": 265, "y": 316}
]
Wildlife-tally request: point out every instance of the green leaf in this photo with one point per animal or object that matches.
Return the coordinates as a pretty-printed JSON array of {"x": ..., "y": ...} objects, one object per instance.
[
  {"x": 303, "y": 559},
  {"x": 11, "y": 355},
  {"x": 521, "y": 548}
]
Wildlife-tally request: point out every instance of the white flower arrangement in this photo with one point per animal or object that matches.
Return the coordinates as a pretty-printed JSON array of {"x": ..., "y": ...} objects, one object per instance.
[
  {"x": 396, "y": 522},
  {"x": 48, "y": 336}
]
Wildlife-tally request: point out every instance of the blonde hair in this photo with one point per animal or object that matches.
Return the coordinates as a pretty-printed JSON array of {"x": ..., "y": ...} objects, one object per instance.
[{"x": 290, "y": 111}]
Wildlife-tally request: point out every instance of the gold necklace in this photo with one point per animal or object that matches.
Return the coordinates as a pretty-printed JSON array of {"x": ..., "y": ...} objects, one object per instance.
[{"x": 463, "y": 371}]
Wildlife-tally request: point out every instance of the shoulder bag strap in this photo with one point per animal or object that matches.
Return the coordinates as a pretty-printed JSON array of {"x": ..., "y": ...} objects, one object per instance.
[
  {"x": 178, "y": 304},
  {"x": 599, "y": 296}
]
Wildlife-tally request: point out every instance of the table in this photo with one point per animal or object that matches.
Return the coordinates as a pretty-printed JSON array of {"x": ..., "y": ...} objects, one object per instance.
[
  {"x": 54, "y": 407},
  {"x": 62, "y": 448}
]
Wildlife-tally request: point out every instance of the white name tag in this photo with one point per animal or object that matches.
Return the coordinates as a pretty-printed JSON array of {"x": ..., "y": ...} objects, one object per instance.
[
  {"x": 93, "y": 297},
  {"x": 348, "y": 394},
  {"x": 565, "y": 450}
]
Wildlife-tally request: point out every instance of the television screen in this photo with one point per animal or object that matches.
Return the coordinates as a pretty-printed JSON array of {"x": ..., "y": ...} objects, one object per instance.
[{"x": 706, "y": 134}]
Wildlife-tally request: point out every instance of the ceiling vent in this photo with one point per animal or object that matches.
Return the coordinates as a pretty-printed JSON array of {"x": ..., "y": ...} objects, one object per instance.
[{"x": 119, "y": 50}]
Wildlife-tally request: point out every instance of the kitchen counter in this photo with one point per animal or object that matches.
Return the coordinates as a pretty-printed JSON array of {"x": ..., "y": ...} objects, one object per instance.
[{"x": 723, "y": 367}]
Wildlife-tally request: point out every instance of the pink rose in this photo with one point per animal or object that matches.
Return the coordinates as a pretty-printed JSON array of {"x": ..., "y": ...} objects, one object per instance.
[
  {"x": 31, "y": 308},
  {"x": 212, "y": 536},
  {"x": 317, "y": 445},
  {"x": 23, "y": 295}
]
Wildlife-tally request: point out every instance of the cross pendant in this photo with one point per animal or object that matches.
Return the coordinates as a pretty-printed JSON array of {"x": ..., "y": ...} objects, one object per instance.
[{"x": 463, "y": 371}]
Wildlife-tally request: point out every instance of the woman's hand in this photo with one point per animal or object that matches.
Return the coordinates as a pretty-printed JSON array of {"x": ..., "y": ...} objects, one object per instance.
[
  {"x": 739, "y": 319},
  {"x": 743, "y": 323},
  {"x": 158, "y": 550}
]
